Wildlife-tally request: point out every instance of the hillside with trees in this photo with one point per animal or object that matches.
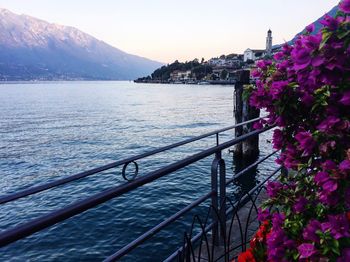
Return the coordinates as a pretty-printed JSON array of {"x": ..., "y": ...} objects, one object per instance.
[{"x": 215, "y": 69}]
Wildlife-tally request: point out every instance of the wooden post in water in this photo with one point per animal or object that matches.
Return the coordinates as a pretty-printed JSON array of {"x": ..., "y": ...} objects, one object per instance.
[
  {"x": 238, "y": 108},
  {"x": 251, "y": 145},
  {"x": 243, "y": 111}
]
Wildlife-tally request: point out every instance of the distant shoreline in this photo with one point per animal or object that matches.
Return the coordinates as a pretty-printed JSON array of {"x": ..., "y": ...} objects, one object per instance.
[
  {"x": 191, "y": 82},
  {"x": 209, "y": 82},
  {"x": 58, "y": 80}
]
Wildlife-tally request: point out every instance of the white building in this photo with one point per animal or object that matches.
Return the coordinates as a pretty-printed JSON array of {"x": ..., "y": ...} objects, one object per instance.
[
  {"x": 217, "y": 61},
  {"x": 253, "y": 54},
  {"x": 180, "y": 75}
]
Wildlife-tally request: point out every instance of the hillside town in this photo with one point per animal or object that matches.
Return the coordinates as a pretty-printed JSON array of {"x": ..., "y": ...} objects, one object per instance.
[{"x": 217, "y": 70}]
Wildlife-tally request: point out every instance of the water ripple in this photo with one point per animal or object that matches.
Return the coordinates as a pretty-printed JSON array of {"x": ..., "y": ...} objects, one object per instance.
[{"x": 49, "y": 132}]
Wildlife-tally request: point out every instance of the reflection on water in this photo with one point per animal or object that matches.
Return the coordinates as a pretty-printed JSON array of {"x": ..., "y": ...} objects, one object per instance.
[{"x": 248, "y": 181}]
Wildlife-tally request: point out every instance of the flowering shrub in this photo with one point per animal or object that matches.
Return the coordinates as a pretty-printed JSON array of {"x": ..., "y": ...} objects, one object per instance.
[{"x": 306, "y": 91}]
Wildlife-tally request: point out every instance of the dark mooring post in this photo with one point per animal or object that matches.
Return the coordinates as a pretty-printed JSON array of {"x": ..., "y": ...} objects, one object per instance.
[
  {"x": 243, "y": 111},
  {"x": 238, "y": 108}
]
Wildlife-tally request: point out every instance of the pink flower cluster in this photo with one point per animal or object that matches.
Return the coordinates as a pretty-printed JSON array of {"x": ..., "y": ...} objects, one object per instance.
[{"x": 306, "y": 91}]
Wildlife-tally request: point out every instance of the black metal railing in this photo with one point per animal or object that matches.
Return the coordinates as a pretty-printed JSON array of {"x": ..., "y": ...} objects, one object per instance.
[{"x": 215, "y": 231}]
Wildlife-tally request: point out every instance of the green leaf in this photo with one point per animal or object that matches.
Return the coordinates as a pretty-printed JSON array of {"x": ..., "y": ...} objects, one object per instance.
[
  {"x": 325, "y": 250},
  {"x": 247, "y": 90},
  {"x": 325, "y": 37},
  {"x": 335, "y": 247},
  {"x": 347, "y": 43},
  {"x": 343, "y": 34},
  {"x": 295, "y": 255},
  {"x": 336, "y": 243},
  {"x": 314, "y": 107},
  {"x": 293, "y": 85},
  {"x": 324, "y": 103}
]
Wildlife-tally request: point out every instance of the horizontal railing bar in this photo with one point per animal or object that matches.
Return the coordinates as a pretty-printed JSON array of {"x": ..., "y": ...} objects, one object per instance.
[
  {"x": 209, "y": 227},
  {"x": 245, "y": 170},
  {"x": 78, "y": 207},
  {"x": 156, "y": 229},
  {"x": 40, "y": 188}
]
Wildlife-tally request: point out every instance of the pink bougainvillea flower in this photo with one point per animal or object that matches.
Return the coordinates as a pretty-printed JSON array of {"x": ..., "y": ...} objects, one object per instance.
[
  {"x": 329, "y": 165},
  {"x": 277, "y": 88},
  {"x": 330, "y": 185},
  {"x": 277, "y": 139},
  {"x": 307, "y": 99},
  {"x": 345, "y": 6},
  {"x": 263, "y": 64},
  {"x": 277, "y": 241},
  {"x": 256, "y": 73},
  {"x": 321, "y": 177},
  {"x": 330, "y": 22},
  {"x": 332, "y": 110},
  {"x": 278, "y": 56},
  {"x": 317, "y": 61},
  {"x": 312, "y": 42},
  {"x": 345, "y": 255},
  {"x": 273, "y": 188},
  {"x": 329, "y": 199},
  {"x": 310, "y": 28},
  {"x": 300, "y": 205},
  {"x": 345, "y": 100},
  {"x": 301, "y": 58},
  {"x": 328, "y": 124},
  {"x": 347, "y": 199},
  {"x": 263, "y": 214},
  {"x": 306, "y": 142},
  {"x": 344, "y": 166},
  {"x": 338, "y": 225},
  {"x": 286, "y": 49},
  {"x": 258, "y": 125},
  {"x": 280, "y": 121},
  {"x": 309, "y": 232},
  {"x": 326, "y": 147},
  {"x": 283, "y": 65},
  {"x": 306, "y": 250}
]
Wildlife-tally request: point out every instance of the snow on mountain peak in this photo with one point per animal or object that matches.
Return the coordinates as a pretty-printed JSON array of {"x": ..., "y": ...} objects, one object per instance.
[{"x": 24, "y": 30}]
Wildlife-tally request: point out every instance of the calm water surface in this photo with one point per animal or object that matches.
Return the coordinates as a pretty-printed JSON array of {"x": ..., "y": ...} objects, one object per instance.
[{"x": 52, "y": 130}]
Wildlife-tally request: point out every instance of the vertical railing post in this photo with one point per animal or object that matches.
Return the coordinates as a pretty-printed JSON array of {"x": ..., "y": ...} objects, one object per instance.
[
  {"x": 214, "y": 201},
  {"x": 222, "y": 187},
  {"x": 218, "y": 200}
]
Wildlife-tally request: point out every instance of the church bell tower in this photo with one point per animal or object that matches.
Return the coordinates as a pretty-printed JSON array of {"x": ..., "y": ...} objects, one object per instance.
[{"x": 269, "y": 42}]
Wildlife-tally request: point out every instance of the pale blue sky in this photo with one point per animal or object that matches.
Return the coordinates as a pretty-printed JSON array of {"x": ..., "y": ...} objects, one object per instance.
[{"x": 166, "y": 30}]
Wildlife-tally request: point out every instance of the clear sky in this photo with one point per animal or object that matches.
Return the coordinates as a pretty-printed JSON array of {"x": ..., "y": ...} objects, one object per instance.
[{"x": 166, "y": 30}]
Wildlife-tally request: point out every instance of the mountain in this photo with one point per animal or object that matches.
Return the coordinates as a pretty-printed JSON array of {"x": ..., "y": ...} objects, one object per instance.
[
  {"x": 317, "y": 23},
  {"x": 31, "y": 48}
]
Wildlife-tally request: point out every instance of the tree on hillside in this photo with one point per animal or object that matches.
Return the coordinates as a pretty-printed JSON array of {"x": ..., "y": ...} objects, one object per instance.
[
  {"x": 201, "y": 71},
  {"x": 223, "y": 74}
]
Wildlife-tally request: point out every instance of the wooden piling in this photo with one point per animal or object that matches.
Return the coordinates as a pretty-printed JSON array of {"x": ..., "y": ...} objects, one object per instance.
[{"x": 243, "y": 112}]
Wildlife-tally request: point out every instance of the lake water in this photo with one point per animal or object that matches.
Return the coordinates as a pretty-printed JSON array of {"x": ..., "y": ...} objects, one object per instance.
[{"x": 54, "y": 129}]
